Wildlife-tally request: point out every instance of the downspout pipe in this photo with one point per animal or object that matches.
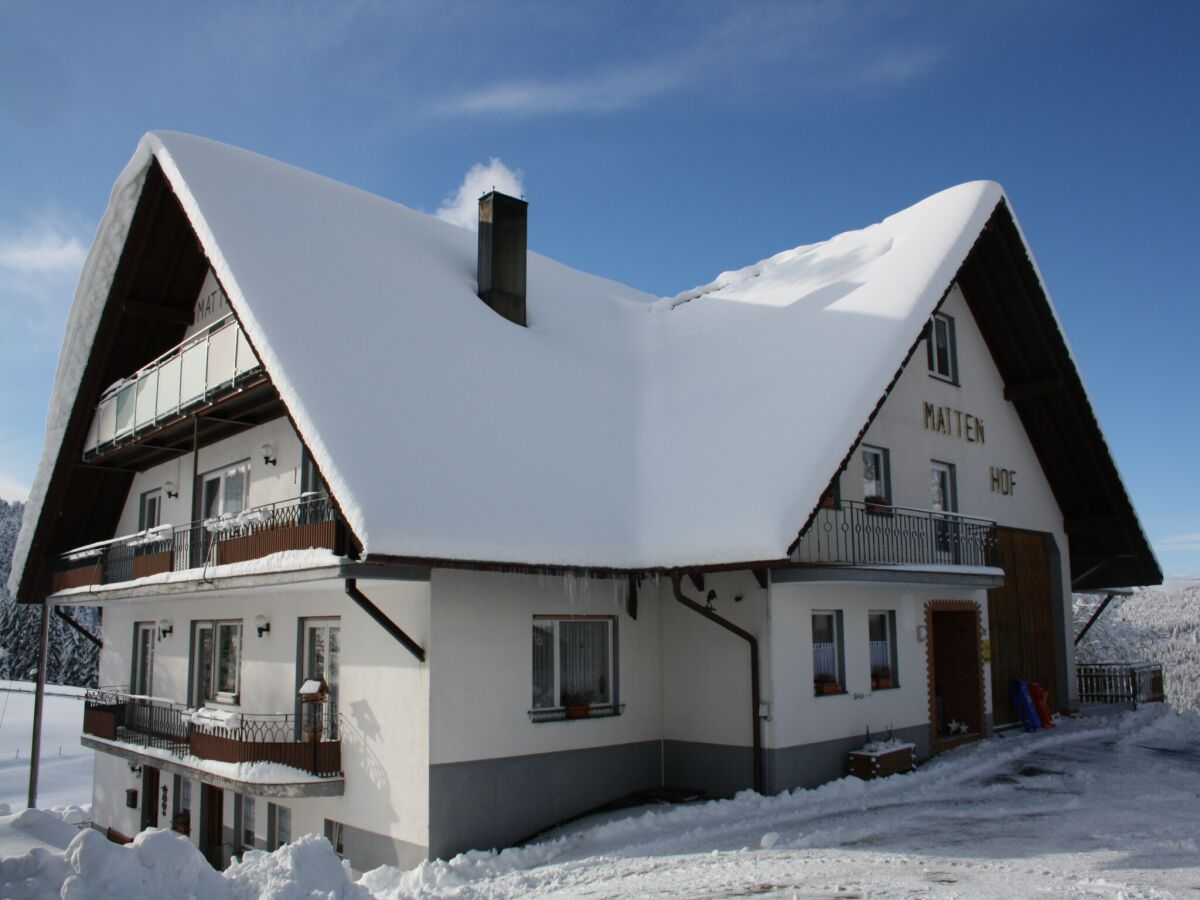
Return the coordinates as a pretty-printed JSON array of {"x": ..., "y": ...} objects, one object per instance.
[
  {"x": 379, "y": 616},
  {"x": 755, "y": 692}
]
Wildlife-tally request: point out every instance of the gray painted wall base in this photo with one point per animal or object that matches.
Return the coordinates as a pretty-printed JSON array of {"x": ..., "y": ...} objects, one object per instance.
[
  {"x": 368, "y": 850},
  {"x": 718, "y": 770},
  {"x": 810, "y": 765},
  {"x": 498, "y": 802}
]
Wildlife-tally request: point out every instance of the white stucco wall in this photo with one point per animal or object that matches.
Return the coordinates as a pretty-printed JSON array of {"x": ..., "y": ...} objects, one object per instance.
[
  {"x": 800, "y": 717},
  {"x": 481, "y": 665},
  {"x": 384, "y": 693},
  {"x": 268, "y": 484}
]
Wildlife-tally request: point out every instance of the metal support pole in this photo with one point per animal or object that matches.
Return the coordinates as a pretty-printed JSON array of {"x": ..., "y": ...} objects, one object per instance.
[
  {"x": 35, "y": 750},
  {"x": 1092, "y": 621}
]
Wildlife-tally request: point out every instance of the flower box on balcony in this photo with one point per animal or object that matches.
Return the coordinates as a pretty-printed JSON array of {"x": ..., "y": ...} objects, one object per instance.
[
  {"x": 877, "y": 506},
  {"x": 882, "y": 758}
]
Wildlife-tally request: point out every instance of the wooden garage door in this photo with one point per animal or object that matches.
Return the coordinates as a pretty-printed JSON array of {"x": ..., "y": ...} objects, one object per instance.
[{"x": 1020, "y": 620}]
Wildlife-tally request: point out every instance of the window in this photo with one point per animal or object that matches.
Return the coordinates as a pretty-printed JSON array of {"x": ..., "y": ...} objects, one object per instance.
[
  {"x": 216, "y": 662},
  {"x": 322, "y": 639},
  {"x": 143, "y": 659},
  {"x": 882, "y": 628},
  {"x": 182, "y": 819},
  {"x": 573, "y": 661},
  {"x": 279, "y": 826},
  {"x": 827, "y": 653},
  {"x": 944, "y": 498},
  {"x": 225, "y": 492},
  {"x": 335, "y": 834},
  {"x": 150, "y": 509},
  {"x": 247, "y": 821},
  {"x": 943, "y": 355},
  {"x": 877, "y": 480}
]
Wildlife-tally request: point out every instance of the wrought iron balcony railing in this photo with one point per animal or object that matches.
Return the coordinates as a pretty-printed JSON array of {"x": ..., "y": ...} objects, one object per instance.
[
  {"x": 187, "y": 374},
  {"x": 311, "y": 742},
  {"x": 856, "y": 533},
  {"x": 298, "y": 524}
]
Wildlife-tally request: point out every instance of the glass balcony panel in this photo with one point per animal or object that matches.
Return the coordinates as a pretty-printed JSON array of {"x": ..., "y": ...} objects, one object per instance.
[
  {"x": 192, "y": 376},
  {"x": 246, "y": 360},
  {"x": 125, "y": 403},
  {"x": 222, "y": 351},
  {"x": 168, "y": 387},
  {"x": 147, "y": 397}
]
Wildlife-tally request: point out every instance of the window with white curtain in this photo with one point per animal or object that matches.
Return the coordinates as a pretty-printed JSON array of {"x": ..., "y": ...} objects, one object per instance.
[{"x": 573, "y": 662}]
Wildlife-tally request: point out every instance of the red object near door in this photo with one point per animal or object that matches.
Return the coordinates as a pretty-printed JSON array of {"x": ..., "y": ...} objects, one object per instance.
[{"x": 1041, "y": 703}]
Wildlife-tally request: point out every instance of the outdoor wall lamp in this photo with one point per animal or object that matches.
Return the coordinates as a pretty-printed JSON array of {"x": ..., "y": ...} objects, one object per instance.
[
  {"x": 712, "y": 595},
  {"x": 169, "y": 487},
  {"x": 165, "y": 628},
  {"x": 262, "y": 625},
  {"x": 922, "y": 633},
  {"x": 268, "y": 455}
]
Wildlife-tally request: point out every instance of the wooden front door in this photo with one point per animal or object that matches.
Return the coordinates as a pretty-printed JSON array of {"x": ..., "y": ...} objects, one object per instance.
[
  {"x": 212, "y": 817},
  {"x": 1021, "y": 619},
  {"x": 149, "y": 797},
  {"x": 955, "y": 672}
]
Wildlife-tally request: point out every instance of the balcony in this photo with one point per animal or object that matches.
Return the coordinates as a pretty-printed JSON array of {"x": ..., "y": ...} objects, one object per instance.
[
  {"x": 194, "y": 372},
  {"x": 853, "y": 533},
  {"x": 311, "y": 745},
  {"x": 302, "y": 523}
]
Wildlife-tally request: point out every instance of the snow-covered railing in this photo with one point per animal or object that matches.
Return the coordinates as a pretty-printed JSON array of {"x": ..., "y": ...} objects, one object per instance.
[
  {"x": 1134, "y": 683},
  {"x": 301, "y": 523},
  {"x": 855, "y": 533},
  {"x": 310, "y": 741},
  {"x": 188, "y": 373}
]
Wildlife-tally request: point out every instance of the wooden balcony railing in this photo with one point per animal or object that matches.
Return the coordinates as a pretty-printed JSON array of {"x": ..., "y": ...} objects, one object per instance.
[
  {"x": 1134, "y": 683},
  {"x": 311, "y": 743},
  {"x": 855, "y": 533},
  {"x": 299, "y": 524}
]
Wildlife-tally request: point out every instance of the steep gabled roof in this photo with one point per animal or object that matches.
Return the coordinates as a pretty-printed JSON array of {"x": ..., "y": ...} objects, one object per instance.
[{"x": 618, "y": 430}]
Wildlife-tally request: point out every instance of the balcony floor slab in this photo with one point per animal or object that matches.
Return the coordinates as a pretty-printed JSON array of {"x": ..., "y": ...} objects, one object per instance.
[
  {"x": 277, "y": 780},
  {"x": 974, "y": 577}
]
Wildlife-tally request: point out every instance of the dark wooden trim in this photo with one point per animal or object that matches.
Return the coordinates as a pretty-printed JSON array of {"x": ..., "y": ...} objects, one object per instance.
[
  {"x": 157, "y": 312},
  {"x": 1031, "y": 389},
  {"x": 61, "y": 613}
]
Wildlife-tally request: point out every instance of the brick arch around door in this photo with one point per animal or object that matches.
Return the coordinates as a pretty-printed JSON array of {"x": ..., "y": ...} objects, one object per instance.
[{"x": 954, "y": 663}]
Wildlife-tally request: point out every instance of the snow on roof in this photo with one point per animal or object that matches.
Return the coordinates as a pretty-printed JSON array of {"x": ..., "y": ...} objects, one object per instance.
[{"x": 617, "y": 430}]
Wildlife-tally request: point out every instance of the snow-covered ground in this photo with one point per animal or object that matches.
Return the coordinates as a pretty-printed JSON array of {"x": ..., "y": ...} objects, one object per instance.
[
  {"x": 66, "y": 770},
  {"x": 1102, "y": 807}
]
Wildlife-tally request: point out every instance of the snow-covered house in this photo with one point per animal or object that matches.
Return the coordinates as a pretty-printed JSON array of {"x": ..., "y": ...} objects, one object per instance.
[{"x": 424, "y": 542}]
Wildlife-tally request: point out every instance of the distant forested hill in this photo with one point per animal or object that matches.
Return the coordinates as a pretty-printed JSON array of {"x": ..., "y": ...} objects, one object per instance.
[{"x": 71, "y": 657}]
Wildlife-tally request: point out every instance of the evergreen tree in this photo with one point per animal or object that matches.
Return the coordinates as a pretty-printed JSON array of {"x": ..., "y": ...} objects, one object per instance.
[{"x": 71, "y": 658}]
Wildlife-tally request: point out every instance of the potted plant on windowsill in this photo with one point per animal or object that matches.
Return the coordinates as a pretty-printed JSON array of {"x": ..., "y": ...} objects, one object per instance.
[
  {"x": 577, "y": 706},
  {"x": 881, "y": 678},
  {"x": 878, "y": 506},
  {"x": 826, "y": 684}
]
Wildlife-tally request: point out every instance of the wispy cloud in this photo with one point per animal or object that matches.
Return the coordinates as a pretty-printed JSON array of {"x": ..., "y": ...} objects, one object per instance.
[
  {"x": 602, "y": 91},
  {"x": 1187, "y": 541},
  {"x": 772, "y": 50},
  {"x": 462, "y": 207},
  {"x": 13, "y": 490},
  {"x": 42, "y": 249}
]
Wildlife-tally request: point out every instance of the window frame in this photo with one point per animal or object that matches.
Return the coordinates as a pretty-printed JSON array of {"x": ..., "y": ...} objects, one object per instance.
[
  {"x": 950, "y": 377},
  {"x": 142, "y": 657},
  {"x": 146, "y": 521},
  {"x": 561, "y": 711},
  {"x": 274, "y": 842},
  {"x": 839, "y": 653},
  {"x": 889, "y": 625},
  {"x": 221, "y": 475},
  {"x": 224, "y": 698},
  {"x": 303, "y": 673},
  {"x": 247, "y": 834},
  {"x": 885, "y": 472}
]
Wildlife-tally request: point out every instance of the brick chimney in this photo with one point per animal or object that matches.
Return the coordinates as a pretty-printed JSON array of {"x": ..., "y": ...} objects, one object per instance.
[{"x": 502, "y": 229}]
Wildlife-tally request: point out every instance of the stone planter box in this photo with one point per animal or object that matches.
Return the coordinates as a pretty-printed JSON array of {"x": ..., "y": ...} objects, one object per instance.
[{"x": 868, "y": 764}]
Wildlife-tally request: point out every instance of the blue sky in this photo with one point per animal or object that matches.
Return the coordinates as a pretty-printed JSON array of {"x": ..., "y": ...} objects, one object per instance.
[{"x": 659, "y": 144}]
